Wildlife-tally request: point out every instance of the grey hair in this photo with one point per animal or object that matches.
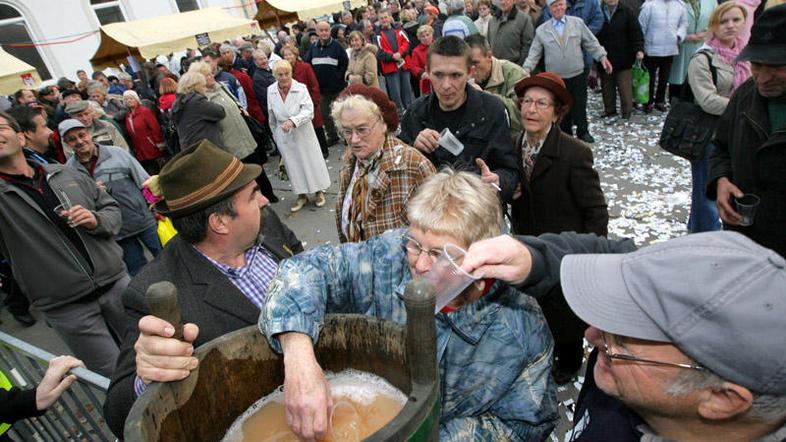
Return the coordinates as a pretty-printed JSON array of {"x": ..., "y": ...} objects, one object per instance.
[
  {"x": 455, "y": 203},
  {"x": 454, "y": 6},
  {"x": 765, "y": 407}
]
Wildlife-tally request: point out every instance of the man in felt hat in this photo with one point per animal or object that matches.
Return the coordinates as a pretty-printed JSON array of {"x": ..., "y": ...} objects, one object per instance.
[
  {"x": 688, "y": 334},
  {"x": 750, "y": 139},
  {"x": 224, "y": 256},
  {"x": 57, "y": 229}
]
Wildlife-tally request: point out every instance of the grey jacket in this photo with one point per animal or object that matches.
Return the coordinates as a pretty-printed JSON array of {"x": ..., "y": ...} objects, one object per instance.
[
  {"x": 50, "y": 271},
  {"x": 123, "y": 176},
  {"x": 564, "y": 58},
  {"x": 237, "y": 137},
  {"x": 197, "y": 119},
  {"x": 510, "y": 36}
]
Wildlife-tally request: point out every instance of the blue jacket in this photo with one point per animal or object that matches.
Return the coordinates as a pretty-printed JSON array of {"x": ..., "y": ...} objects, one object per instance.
[
  {"x": 494, "y": 355},
  {"x": 330, "y": 62},
  {"x": 587, "y": 10}
]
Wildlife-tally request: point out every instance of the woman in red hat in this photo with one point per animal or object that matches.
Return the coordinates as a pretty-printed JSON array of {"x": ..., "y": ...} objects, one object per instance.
[
  {"x": 559, "y": 191},
  {"x": 380, "y": 171}
]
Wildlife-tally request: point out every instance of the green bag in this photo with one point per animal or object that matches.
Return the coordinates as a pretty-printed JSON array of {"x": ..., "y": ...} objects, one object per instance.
[{"x": 641, "y": 83}]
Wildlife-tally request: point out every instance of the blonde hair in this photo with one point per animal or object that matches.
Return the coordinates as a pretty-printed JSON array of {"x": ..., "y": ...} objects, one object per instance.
[
  {"x": 423, "y": 29},
  {"x": 282, "y": 65},
  {"x": 201, "y": 67},
  {"x": 353, "y": 102},
  {"x": 458, "y": 204},
  {"x": 190, "y": 81},
  {"x": 358, "y": 34},
  {"x": 717, "y": 15}
]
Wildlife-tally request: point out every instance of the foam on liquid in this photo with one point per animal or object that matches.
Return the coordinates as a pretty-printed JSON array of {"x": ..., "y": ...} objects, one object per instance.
[{"x": 375, "y": 400}]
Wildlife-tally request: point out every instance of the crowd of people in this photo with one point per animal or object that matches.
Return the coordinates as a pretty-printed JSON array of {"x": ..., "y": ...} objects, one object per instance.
[{"x": 461, "y": 122}]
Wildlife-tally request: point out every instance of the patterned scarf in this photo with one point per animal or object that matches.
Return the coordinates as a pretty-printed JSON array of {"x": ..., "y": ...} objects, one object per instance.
[
  {"x": 358, "y": 212},
  {"x": 742, "y": 71}
]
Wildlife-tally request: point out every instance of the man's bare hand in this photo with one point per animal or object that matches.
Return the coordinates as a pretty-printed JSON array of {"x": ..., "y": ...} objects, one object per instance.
[
  {"x": 427, "y": 141},
  {"x": 55, "y": 381},
  {"x": 159, "y": 356},
  {"x": 306, "y": 391},
  {"x": 486, "y": 174},
  {"x": 726, "y": 192},
  {"x": 79, "y": 216},
  {"x": 606, "y": 65},
  {"x": 503, "y": 257}
]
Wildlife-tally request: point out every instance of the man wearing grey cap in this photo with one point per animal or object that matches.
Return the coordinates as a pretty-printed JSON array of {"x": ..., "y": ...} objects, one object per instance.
[
  {"x": 689, "y": 336},
  {"x": 103, "y": 130}
]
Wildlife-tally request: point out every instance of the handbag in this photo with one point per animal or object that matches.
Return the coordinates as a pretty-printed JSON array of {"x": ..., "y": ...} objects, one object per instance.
[
  {"x": 165, "y": 230},
  {"x": 641, "y": 83},
  {"x": 688, "y": 129}
]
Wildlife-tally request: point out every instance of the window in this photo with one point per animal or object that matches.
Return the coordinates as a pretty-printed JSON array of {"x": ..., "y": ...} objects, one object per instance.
[
  {"x": 108, "y": 11},
  {"x": 13, "y": 30},
  {"x": 187, "y": 5}
]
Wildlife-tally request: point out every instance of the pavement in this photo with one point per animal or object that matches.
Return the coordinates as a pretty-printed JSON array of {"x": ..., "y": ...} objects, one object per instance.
[{"x": 647, "y": 189}]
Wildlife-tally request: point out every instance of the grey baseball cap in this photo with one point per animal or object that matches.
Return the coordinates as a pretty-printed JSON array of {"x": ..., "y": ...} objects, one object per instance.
[
  {"x": 719, "y": 297},
  {"x": 76, "y": 107},
  {"x": 67, "y": 125}
]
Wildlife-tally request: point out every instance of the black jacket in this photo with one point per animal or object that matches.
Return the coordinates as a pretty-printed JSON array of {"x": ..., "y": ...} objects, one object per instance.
[
  {"x": 16, "y": 404},
  {"x": 621, "y": 37},
  {"x": 484, "y": 131},
  {"x": 196, "y": 119},
  {"x": 753, "y": 156},
  {"x": 262, "y": 80},
  {"x": 330, "y": 63},
  {"x": 207, "y": 298}
]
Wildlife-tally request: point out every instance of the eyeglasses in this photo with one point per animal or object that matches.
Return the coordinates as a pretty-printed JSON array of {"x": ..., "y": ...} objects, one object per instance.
[
  {"x": 625, "y": 357},
  {"x": 540, "y": 103},
  {"x": 362, "y": 131},
  {"x": 414, "y": 249}
]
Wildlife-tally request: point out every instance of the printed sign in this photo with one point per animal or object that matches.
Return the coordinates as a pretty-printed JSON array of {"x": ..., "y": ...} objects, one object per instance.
[
  {"x": 28, "y": 79},
  {"x": 202, "y": 39}
]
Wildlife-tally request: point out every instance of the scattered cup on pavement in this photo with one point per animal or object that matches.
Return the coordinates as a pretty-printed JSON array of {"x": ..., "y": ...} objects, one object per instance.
[{"x": 746, "y": 207}]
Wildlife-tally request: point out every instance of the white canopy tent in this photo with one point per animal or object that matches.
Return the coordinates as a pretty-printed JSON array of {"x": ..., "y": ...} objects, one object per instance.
[
  {"x": 156, "y": 36},
  {"x": 307, "y": 9},
  {"x": 15, "y": 74}
]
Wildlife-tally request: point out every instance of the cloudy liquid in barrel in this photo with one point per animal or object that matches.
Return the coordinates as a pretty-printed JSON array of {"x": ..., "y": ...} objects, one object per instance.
[{"x": 374, "y": 403}]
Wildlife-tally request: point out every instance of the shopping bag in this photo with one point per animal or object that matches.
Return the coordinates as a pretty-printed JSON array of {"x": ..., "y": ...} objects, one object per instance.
[
  {"x": 166, "y": 230},
  {"x": 641, "y": 83}
]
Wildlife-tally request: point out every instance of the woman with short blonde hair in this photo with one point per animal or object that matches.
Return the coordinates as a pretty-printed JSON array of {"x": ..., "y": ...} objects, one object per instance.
[{"x": 195, "y": 117}]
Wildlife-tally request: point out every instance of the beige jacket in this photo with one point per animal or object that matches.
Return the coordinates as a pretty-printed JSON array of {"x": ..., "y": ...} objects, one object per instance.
[
  {"x": 364, "y": 65},
  {"x": 502, "y": 79},
  {"x": 711, "y": 98}
]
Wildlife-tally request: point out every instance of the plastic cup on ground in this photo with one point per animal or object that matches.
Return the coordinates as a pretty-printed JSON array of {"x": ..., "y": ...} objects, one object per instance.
[
  {"x": 450, "y": 142},
  {"x": 746, "y": 207},
  {"x": 447, "y": 277},
  {"x": 344, "y": 422}
]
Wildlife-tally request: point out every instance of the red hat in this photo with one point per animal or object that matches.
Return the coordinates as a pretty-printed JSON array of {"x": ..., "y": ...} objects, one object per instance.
[
  {"x": 386, "y": 106},
  {"x": 549, "y": 81}
]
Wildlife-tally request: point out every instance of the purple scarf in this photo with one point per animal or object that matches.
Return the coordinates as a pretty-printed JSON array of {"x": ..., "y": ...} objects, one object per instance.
[{"x": 742, "y": 71}]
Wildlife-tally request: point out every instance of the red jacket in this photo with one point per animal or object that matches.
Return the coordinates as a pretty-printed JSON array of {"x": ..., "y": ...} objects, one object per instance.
[
  {"x": 385, "y": 53},
  {"x": 304, "y": 73},
  {"x": 418, "y": 66},
  {"x": 166, "y": 101},
  {"x": 145, "y": 133},
  {"x": 254, "y": 109}
]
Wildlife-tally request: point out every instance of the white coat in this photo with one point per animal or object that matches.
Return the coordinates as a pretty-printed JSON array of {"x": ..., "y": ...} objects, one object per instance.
[{"x": 299, "y": 147}]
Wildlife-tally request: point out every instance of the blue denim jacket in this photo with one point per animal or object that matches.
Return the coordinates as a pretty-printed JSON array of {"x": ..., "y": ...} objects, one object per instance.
[{"x": 494, "y": 355}]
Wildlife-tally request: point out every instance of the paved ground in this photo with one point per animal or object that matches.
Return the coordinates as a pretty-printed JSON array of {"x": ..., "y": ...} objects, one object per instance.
[{"x": 647, "y": 189}]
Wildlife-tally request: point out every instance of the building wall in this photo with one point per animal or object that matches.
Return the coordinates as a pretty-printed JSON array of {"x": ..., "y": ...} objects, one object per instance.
[{"x": 54, "y": 19}]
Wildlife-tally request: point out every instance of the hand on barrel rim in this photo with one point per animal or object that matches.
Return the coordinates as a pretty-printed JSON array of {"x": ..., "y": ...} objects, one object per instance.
[
  {"x": 161, "y": 358},
  {"x": 306, "y": 391}
]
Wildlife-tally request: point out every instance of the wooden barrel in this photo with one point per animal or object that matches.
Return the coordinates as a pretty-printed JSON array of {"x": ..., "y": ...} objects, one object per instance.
[{"x": 240, "y": 368}]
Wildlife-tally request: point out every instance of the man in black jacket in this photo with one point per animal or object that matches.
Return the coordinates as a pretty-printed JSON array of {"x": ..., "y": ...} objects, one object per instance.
[
  {"x": 621, "y": 37},
  {"x": 478, "y": 120},
  {"x": 226, "y": 252},
  {"x": 329, "y": 60}
]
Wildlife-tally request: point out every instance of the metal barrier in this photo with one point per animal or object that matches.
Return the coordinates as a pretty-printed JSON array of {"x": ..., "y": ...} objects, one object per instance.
[{"x": 76, "y": 416}]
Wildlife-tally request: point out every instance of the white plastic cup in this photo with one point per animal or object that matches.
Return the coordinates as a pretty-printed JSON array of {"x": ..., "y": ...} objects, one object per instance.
[
  {"x": 746, "y": 207},
  {"x": 450, "y": 142},
  {"x": 447, "y": 277}
]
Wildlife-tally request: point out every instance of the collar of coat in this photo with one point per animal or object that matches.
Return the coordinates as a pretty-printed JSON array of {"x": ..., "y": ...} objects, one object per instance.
[
  {"x": 473, "y": 110},
  {"x": 392, "y": 153}
]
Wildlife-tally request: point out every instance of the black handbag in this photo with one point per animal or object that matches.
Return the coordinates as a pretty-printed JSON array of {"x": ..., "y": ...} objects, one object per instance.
[{"x": 688, "y": 129}]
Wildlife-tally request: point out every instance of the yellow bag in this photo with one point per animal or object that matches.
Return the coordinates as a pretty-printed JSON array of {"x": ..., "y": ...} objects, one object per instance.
[{"x": 166, "y": 231}]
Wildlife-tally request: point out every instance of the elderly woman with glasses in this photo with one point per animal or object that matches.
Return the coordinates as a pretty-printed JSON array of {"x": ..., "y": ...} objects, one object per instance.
[
  {"x": 291, "y": 111},
  {"x": 381, "y": 172},
  {"x": 494, "y": 354},
  {"x": 559, "y": 192}
]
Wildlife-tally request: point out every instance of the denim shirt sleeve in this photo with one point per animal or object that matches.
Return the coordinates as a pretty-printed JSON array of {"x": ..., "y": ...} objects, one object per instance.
[{"x": 339, "y": 279}]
